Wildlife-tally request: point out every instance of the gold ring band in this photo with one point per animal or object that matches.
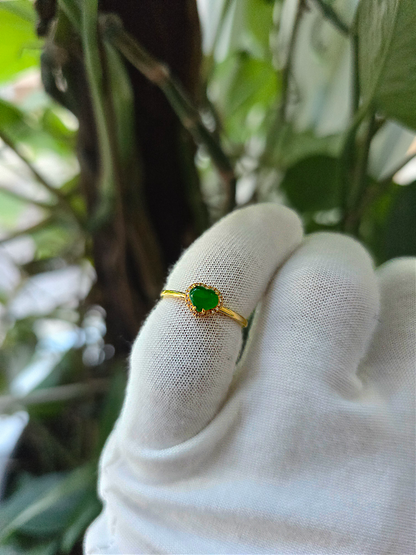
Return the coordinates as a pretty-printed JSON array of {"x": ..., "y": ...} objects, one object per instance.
[{"x": 203, "y": 300}]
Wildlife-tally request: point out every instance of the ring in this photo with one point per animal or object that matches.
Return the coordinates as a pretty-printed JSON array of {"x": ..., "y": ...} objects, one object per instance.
[{"x": 202, "y": 300}]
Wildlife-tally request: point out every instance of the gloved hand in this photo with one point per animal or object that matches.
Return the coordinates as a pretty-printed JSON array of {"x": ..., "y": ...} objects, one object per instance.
[{"x": 304, "y": 444}]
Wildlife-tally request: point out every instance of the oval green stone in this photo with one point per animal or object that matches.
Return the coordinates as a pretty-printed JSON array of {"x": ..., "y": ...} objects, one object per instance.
[{"x": 203, "y": 298}]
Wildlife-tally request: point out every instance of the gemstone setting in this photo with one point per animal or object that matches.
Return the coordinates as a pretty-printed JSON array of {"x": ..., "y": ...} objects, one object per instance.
[{"x": 202, "y": 299}]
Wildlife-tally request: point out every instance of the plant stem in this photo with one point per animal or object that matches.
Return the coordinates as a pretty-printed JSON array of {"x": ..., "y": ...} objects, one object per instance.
[
  {"x": 360, "y": 179},
  {"x": 362, "y": 165},
  {"x": 73, "y": 12},
  {"x": 144, "y": 244},
  {"x": 32, "y": 229},
  {"x": 159, "y": 74},
  {"x": 56, "y": 394},
  {"x": 347, "y": 160},
  {"x": 23, "y": 198},
  {"x": 332, "y": 16},
  {"x": 94, "y": 73},
  {"x": 287, "y": 68},
  {"x": 355, "y": 74},
  {"x": 55, "y": 192}
]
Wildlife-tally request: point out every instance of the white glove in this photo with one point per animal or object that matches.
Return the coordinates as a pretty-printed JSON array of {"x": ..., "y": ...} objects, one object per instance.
[{"x": 303, "y": 445}]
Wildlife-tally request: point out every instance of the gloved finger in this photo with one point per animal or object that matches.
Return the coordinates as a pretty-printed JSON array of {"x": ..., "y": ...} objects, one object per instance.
[
  {"x": 181, "y": 366},
  {"x": 391, "y": 361},
  {"x": 315, "y": 323}
]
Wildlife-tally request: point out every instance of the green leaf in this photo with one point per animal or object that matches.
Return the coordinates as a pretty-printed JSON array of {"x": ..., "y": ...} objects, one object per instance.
[
  {"x": 21, "y": 8},
  {"x": 311, "y": 184},
  {"x": 72, "y": 11},
  {"x": 55, "y": 127},
  {"x": 14, "y": 122},
  {"x": 400, "y": 228},
  {"x": 243, "y": 82},
  {"x": 71, "y": 186},
  {"x": 43, "y": 505},
  {"x": 373, "y": 224},
  {"x": 19, "y": 45},
  {"x": 88, "y": 509},
  {"x": 112, "y": 406},
  {"x": 251, "y": 81},
  {"x": 20, "y": 546},
  {"x": 285, "y": 146},
  {"x": 122, "y": 97},
  {"x": 56, "y": 239},
  {"x": 11, "y": 209},
  {"x": 387, "y": 57},
  {"x": 47, "y": 133},
  {"x": 32, "y": 489},
  {"x": 259, "y": 21}
]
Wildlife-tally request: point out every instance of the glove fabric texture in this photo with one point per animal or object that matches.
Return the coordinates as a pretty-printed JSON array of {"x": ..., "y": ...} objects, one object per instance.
[{"x": 303, "y": 443}]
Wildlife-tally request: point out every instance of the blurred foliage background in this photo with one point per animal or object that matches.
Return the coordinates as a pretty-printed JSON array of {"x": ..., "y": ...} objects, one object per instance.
[{"x": 126, "y": 129}]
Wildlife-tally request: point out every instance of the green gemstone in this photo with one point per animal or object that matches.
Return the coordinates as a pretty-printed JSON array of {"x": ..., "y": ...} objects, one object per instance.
[{"x": 203, "y": 298}]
